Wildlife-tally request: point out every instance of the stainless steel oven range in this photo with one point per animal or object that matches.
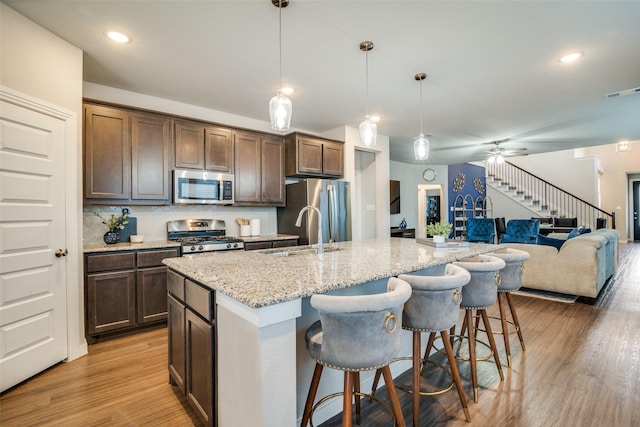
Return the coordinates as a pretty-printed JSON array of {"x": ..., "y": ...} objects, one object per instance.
[{"x": 202, "y": 235}]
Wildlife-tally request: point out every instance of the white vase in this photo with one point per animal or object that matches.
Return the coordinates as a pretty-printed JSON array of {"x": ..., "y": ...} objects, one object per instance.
[{"x": 438, "y": 239}]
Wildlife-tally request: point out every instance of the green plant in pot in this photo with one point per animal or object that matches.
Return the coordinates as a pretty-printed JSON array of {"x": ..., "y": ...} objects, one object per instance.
[
  {"x": 114, "y": 223},
  {"x": 439, "y": 230}
]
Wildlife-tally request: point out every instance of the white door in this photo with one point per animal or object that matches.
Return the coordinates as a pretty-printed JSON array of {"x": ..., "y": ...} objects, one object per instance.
[{"x": 33, "y": 328}]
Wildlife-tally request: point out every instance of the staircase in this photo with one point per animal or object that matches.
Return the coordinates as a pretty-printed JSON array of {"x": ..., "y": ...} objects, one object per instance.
[{"x": 545, "y": 199}]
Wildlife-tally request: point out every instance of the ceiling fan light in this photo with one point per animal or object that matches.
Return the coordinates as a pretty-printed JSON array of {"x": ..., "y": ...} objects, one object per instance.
[
  {"x": 499, "y": 159},
  {"x": 368, "y": 132},
  {"x": 491, "y": 159},
  {"x": 280, "y": 112},
  {"x": 421, "y": 147}
]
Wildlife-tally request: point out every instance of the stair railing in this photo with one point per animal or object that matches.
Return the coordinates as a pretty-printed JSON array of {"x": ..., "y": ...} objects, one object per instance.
[{"x": 545, "y": 196}]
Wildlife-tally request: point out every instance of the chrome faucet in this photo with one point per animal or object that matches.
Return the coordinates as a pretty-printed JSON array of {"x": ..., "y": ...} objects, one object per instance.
[{"x": 299, "y": 222}]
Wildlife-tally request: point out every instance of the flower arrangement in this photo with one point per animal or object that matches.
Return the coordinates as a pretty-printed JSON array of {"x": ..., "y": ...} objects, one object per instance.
[
  {"x": 439, "y": 229},
  {"x": 114, "y": 222}
]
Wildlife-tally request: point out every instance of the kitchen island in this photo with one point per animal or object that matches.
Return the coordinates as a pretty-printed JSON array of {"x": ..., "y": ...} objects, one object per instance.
[{"x": 262, "y": 311}]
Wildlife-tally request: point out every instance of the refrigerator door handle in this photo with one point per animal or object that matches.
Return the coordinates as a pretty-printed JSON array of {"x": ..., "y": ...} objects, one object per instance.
[{"x": 333, "y": 202}]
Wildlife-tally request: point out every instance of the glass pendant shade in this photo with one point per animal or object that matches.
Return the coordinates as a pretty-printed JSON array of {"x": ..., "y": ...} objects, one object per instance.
[
  {"x": 280, "y": 112},
  {"x": 368, "y": 132},
  {"x": 421, "y": 147}
]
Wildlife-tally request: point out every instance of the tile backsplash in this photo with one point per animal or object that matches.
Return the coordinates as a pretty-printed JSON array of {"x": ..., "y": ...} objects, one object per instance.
[{"x": 152, "y": 220}]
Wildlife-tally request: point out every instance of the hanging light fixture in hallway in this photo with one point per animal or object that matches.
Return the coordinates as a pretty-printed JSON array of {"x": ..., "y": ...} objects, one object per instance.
[
  {"x": 368, "y": 128},
  {"x": 280, "y": 106},
  {"x": 421, "y": 143}
]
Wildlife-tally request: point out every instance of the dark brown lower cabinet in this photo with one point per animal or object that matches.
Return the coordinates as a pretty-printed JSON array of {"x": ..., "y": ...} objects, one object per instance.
[
  {"x": 111, "y": 301},
  {"x": 268, "y": 244},
  {"x": 192, "y": 356},
  {"x": 177, "y": 350},
  {"x": 200, "y": 381},
  {"x": 125, "y": 291}
]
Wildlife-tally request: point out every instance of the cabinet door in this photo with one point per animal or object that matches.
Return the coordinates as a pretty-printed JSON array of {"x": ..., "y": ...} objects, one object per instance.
[
  {"x": 309, "y": 156},
  {"x": 152, "y": 294},
  {"x": 200, "y": 365},
  {"x": 218, "y": 150},
  {"x": 107, "y": 153},
  {"x": 333, "y": 159},
  {"x": 248, "y": 167},
  {"x": 273, "y": 190},
  {"x": 110, "y": 301},
  {"x": 176, "y": 335},
  {"x": 189, "y": 142},
  {"x": 150, "y": 142}
]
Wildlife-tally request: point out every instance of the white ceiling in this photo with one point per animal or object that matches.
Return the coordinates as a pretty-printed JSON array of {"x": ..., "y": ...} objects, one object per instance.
[{"x": 492, "y": 66}]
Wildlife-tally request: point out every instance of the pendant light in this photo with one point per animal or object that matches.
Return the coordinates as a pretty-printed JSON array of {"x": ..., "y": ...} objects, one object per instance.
[
  {"x": 421, "y": 143},
  {"x": 368, "y": 128},
  {"x": 280, "y": 105}
]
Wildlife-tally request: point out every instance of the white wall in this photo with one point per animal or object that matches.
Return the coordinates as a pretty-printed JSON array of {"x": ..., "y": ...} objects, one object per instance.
[
  {"x": 614, "y": 170},
  {"x": 576, "y": 175},
  {"x": 410, "y": 176},
  {"x": 41, "y": 65}
]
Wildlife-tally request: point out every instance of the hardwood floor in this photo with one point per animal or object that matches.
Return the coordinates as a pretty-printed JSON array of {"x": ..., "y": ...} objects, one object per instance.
[{"x": 581, "y": 368}]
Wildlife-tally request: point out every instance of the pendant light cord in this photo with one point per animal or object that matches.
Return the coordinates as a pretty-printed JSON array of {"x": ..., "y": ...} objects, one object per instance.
[
  {"x": 366, "y": 79},
  {"x": 280, "y": 43},
  {"x": 421, "y": 133}
]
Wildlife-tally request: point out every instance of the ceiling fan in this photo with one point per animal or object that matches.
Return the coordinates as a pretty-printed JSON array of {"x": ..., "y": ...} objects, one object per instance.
[{"x": 497, "y": 153}]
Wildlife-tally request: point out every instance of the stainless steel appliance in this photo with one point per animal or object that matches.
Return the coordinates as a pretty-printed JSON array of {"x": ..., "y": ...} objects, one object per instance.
[
  {"x": 331, "y": 197},
  {"x": 202, "y": 187},
  {"x": 202, "y": 235}
]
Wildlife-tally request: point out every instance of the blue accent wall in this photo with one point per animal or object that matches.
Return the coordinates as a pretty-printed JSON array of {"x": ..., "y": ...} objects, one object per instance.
[{"x": 469, "y": 172}]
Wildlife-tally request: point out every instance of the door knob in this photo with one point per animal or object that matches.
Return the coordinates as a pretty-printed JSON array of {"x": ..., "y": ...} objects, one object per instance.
[{"x": 61, "y": 252}]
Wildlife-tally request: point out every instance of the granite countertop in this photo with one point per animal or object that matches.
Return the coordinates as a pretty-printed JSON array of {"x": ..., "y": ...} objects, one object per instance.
[
  {"x": 257, "y": 279},
  {"x": 268, "y": 237},
  {"x": 127, "y": 246}
]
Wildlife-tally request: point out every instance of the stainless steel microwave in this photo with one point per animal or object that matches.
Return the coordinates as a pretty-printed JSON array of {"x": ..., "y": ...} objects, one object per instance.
[{"x": 202, "y": 187}]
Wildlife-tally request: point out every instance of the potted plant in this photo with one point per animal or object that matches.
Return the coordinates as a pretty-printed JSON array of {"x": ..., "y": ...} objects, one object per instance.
[
  {"x": 439, "y": 231},
  {"x": 114, "y": 224}
]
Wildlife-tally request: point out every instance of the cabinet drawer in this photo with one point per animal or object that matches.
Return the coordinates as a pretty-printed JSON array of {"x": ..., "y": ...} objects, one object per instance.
[
  {"x": 285, "y": 243},
  {"x": 252, "y": 246},
  {"x": 199, "y": 299},
  {"x": 116, "y": 261},
  {"x": 175, "y": 284},
  {"x": 154, "y": 258}
]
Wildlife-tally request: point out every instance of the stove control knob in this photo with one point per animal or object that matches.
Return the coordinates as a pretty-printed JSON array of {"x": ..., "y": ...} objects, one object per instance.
[
  {"x": 228, "y": 245},
  {"x": 235, "y": 245},
  {"x": 193, "y": 248},
  {"x": 200, "y": 248}
]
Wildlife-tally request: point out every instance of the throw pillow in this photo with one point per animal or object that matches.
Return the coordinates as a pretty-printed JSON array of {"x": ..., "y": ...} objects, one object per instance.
[
  {"x": 584, "y": 230},
  {"x": 550, "y": 241},
  {"x": 573, "y": 234}
]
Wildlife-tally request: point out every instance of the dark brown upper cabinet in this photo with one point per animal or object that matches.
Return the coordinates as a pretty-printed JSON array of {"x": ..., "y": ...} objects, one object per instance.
[
  {"x": 310, "y": 156},
  {"x": 126, "y": 156},
  {"x": 198, "y": 146},
  {"x": 259, "y": 169}
]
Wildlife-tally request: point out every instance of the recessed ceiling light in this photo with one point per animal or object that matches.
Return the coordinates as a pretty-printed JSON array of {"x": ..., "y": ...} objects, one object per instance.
[
  {"x": 118, "y": 37},
  {"x": 571, "y": 57},
  {"x": 287, "y": 90}
]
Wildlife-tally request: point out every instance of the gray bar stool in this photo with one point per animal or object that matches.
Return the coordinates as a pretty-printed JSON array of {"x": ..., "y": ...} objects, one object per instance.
[
  {"x": 356, "y": 333},
  {"x": 480, "y": 293},
  {"x": 434, "y": 307},
  {"x": 511, "y": 280}
]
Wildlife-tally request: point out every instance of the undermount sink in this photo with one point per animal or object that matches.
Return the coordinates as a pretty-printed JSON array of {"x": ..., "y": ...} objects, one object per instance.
[{"x": 298, "y": 250}]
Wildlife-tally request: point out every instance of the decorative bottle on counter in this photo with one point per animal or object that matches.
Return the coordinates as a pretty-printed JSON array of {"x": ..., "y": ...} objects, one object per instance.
[
  {"x": 111, "y": 237},
  {"x": 403, "y": 224}
]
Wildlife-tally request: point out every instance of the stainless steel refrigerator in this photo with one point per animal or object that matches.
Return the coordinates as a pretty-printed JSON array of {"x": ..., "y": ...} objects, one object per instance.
[{"x": 331, "y": 197}]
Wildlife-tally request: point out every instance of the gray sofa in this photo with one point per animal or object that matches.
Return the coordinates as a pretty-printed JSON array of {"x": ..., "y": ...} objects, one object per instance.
[{"x": 580, "y": 267}]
